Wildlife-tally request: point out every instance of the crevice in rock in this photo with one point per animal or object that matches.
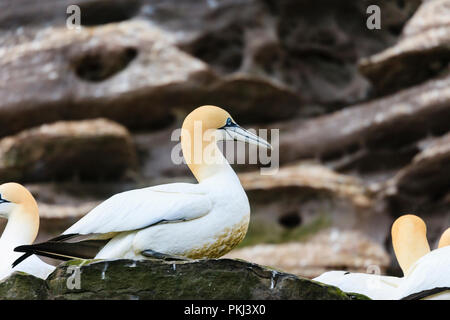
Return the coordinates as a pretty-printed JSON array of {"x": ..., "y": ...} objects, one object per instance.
[
  {"x": 100, "y": 65},
  {"x": 222, "y": 49},
  {"x": 290, "y": 220}
]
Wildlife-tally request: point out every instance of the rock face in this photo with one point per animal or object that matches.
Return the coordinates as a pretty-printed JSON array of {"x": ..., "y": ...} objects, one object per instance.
[
  {"x": 310, "y": 49},
  {"x": 422, "y": 52},
  {"x": 203, "y": 279},
  {"x": 90, "y": 149},
  {"x": 23, "y": 286},
  {"x": 427, "y": 175},
  {"x": 372, "y": 128},
  {"x": 136, "y": 62},
  {"x": 63, "y": 74},
  {"x": 303, "y": 198},
  {"x": 328, "y": 250},
  {"x": 309, "y": 176}
]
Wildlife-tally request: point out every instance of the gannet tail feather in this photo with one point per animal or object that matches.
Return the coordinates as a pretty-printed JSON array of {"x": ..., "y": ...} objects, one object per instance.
[
  {"x": 27, "y": 255},
  {"x": 62, "y": 250}
]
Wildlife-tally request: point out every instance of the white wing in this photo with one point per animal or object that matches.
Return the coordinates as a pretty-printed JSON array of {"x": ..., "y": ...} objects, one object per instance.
[{"x": 140, "y": 208}]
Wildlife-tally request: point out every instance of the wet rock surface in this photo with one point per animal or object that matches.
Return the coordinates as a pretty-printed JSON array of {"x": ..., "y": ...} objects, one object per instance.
[{"x": 135, "y": 280}]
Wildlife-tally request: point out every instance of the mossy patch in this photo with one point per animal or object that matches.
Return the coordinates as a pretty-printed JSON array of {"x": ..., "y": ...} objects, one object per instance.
[{"x": 262, "y": 232}]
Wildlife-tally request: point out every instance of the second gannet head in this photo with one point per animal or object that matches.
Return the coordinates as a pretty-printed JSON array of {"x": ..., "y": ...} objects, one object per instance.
[
  {"x": 445, "y": 239},
  {"x": 409, "y": 239},
  {"x": 202, "y": 128},
  {"x": 20, "y": 208}
]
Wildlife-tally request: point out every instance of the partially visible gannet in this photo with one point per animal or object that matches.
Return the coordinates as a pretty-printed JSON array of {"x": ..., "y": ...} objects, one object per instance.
[
  {"x": 19, "y": 207},
  {"x": 374, "y": 286},
  {"x": 445, "y": 239},
  {"x": 429, "y": 276},
  {"x": 426, "y": 273},
  {"x": 174, "y": 220}
]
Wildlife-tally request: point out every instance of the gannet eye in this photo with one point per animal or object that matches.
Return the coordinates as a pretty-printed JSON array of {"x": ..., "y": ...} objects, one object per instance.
[{"x": 229, "y": 123}]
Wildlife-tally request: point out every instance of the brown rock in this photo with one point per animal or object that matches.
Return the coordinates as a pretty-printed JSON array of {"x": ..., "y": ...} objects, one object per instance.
[
  {"x": 89, "y": 149},
  {"x": 309, "y": 176},
  {"x": 429, "y": 172},
  {"x": 422, "y": 52},
  {"x": 304, "y": 198},
  {"x": 250, "y": 99},
  {"x": 331, "y": 249},
  {"x": 371, "y": 133},
  {"x": 129, "y": 72},
  {"x": 311, "y": 49},
  {"x": 267, "y": 56}
]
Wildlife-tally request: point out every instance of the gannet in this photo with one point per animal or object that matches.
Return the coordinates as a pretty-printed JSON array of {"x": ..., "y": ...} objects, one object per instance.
[
  {"x": 428, "y": 277},
  {"x": 425, "y": 272},
  {"x": 19, "y": 207},
  {"x": 171, "y": 221},
  {"x": 374, "y": 286}
]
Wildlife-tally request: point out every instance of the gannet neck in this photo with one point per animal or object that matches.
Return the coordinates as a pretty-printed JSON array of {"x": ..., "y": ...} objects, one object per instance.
[
  {"x": 206, "y": 168},
  {"x": 22, "y": 226},
  {"x": 409, "y": 239},
  {"x": 200, "y": 151},
  {"x": 445, "y": 239}
]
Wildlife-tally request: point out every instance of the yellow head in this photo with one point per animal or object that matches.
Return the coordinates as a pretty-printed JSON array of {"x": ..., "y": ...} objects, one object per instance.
[
  {"x": 211, "y": 117},
  {"x": 409, "y": 239},
  {"x": 13, "y": 195},
  {"x": 19, "y": 207},
  {"x": 202, "y": 128},
  {"x": 445, "y": 239}
]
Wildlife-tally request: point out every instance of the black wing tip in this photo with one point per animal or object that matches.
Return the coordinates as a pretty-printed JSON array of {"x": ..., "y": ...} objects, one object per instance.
[
  {"x": 29, "y": 250},
  {"x": 22, "y": 248},
  {"x": 20, "y": 259}
]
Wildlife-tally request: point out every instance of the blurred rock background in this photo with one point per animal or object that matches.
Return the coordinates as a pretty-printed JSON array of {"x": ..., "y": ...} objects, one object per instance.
[{"x": 364, "y": 115}]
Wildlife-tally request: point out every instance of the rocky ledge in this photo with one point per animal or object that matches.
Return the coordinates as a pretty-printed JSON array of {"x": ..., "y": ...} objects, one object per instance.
[{"x": 199, "y": 279}]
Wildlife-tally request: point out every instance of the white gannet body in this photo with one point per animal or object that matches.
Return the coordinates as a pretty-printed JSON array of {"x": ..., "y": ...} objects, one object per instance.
[
  {"x": 426, "y": 273},
  {"x": 374, "y": 286},
  {"x": 428, "y": 278},
  {"x": 181, "y": 219},
  {"x": 19, "y": 207}
]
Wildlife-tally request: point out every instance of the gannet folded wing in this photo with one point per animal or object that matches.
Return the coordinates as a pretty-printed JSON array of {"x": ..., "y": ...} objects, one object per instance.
[
  {"x": 124, "y": 212},
  {"x": 141, "y": 208}
]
